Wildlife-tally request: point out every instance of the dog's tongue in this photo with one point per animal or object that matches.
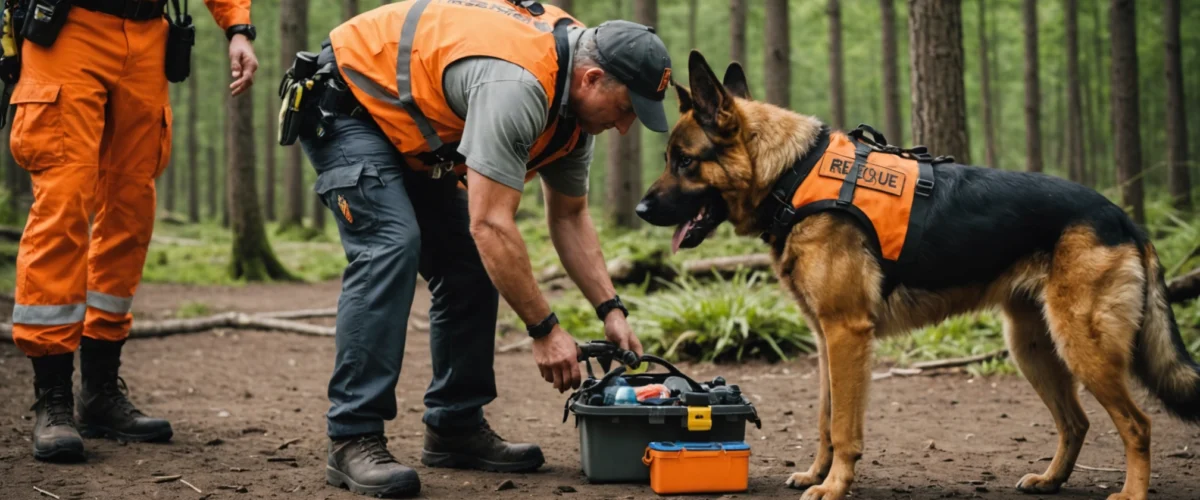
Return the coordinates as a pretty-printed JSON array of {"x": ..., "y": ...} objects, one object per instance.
[{"x": 680, "y": 232}]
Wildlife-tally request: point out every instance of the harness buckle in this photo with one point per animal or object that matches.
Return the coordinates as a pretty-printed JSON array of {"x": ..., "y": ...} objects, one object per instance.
[
  {"x": 924, "y": 187},
  {"x": 442, "y": 168}
]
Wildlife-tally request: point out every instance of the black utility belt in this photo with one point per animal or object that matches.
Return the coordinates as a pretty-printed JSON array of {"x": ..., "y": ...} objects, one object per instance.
[{"x": 134, "y": 10}]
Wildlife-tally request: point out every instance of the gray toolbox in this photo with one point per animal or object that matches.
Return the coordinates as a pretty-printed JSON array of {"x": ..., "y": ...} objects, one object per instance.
[{"x": 613, "y": 439}]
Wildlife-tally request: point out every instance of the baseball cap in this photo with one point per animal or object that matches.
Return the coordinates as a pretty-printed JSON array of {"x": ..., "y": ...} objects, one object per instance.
[{"x": 634, "y": 55}]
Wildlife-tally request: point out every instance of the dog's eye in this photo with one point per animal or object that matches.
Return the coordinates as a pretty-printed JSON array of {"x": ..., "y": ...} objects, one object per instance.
[{"x": 684, "y": 161}]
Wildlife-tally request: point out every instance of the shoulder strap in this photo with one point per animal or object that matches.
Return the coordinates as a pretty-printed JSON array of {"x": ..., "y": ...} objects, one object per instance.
[
  {"x": 776, "y": 212},
  {"x": 562, "y": 135}
]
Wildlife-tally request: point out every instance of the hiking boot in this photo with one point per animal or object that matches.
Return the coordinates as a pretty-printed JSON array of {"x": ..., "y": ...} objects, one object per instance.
[
  {"x": 478, "y": 448},
  {"x": 55, "y": 438},
  {"x": 104, "y": 406},
  {"x": 362, "y": 464}
]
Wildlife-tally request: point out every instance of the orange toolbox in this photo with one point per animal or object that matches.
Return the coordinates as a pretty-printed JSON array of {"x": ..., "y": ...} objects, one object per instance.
[{"x": 682, "y": 467}]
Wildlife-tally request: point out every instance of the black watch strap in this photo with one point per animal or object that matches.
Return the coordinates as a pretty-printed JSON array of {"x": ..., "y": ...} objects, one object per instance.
[
  {"x": 544, "y": 328},
  {"x": 607, "y": 306},
  {"x": 241, "y": 29}
]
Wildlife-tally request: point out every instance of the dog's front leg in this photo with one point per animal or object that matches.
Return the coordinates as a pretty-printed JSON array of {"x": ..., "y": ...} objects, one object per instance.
[
  {"x": 848, "y": 345},
  {"x": 824, "y": 459}
]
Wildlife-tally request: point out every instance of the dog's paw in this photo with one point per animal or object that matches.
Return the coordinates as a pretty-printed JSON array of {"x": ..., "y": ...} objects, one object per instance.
[
  {"x": 1126, "y": 496},
  {"x": 1038, "y": 483},
  {"x": 825, "y": 492},
  {"x": 803, "y": 480}
]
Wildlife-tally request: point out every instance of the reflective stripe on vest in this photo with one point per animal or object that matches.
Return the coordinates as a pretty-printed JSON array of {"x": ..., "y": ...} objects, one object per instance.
[{"x": 48, "y": 315}]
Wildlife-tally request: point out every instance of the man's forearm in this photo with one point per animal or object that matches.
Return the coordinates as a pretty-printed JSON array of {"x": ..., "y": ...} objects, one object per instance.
[
  {"x": 507, "y": 262},
  {"x": 574, "y": 238}
]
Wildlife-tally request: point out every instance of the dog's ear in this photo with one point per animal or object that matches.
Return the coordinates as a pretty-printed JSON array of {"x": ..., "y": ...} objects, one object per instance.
[
  {"x": 712, "y": 103},
  {"x": 735, "y": 81},
  {"x": 685, "y": 97}
]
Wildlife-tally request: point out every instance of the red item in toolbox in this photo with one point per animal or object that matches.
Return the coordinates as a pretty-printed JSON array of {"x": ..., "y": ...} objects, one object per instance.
[{"x": 680, "y": 467}]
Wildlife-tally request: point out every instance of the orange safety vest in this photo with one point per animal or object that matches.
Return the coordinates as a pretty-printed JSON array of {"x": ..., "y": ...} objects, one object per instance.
[
  {"x": 888, "y": 197},
  {"x": 399, "y": 79}
]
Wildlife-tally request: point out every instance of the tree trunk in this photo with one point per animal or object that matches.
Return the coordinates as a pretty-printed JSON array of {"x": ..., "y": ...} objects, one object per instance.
[
  {"x": 252, "y": 259},
  {"x": 226, "y": 158},
  {"x": 1177, "y": 154},
  {"x": 167, "y": 180},
  {"x": 693, "y": 11},
  {"x": 1127, "y": 142},
  {"x": 1087, "y": 139},
  {"x": 985, "y": 84},
  {"x": 939, "y": 105},
  {"x": 293, "y": 33},
  {"x": 737, "y": 31},
  {"x": 778, "y": 74},
  {"x": 1075, "y": 150},
  {"x": 625, "y": 152},
  {"x": 349, "y": 9},
  {"x": 891, "y": 74},
  {"x": 566, "y": 5},
  {"x": 193, "y": 148},
  {"x": 837, "y": 89},
  {"x": 212, "y": 182},
  {"x": 270, "y": 145},
  {"x": 1033, "y": 107},
  {"x": 1100, "y": 134}
]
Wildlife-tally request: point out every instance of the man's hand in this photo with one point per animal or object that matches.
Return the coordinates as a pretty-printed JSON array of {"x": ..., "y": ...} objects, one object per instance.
[
  {"x": 556, "y": 357},
  {"x": 242, "y": 63},
  {"x": 617, "y": 331}
]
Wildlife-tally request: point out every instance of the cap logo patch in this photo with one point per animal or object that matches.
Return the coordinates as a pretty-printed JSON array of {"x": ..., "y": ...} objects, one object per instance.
[{"x": 666, "y": 78}]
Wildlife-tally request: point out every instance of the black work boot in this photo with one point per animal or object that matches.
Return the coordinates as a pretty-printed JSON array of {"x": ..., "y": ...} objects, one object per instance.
[
  {"x": 362, "y": 464},
  {"x": 104, "y": 408},
  {"x": 55, "y": 438},
  {"x": 478, "y": 448}
]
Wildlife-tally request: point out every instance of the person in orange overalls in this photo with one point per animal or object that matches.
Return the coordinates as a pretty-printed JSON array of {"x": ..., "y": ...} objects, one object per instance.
[{"x": 93, "y": 128}]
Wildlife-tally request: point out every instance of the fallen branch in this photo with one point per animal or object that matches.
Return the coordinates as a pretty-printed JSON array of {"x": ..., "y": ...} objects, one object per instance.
[
  {"x": 1184, "y": 287},
  {"x": 301, "y": 314},
  {"x": 955, "y": 362},
  {"x": 527, "y": 341},
  {"x": 1098, "y": 469},
  {"x": 143, "y": 329},
  {"x": 727, "y": 264},
  {"x": 47, "y": 493},
  {"x": 189, "y": 485}
]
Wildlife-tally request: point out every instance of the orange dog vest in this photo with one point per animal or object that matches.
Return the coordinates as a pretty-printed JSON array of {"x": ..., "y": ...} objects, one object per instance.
[{"x": 888, "y": 196}]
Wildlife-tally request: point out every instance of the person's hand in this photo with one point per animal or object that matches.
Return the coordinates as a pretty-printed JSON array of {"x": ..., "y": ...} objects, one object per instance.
[
  {"x": 617, "y": 331},
  {"x": 242, "y": 63},
  {"x": 556, "y": 357}
]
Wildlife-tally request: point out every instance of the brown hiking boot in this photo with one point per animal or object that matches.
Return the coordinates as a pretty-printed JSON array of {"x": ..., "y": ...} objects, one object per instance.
[
  {"x": 104, "y": 407},
  {"x": 55, "y": 438},
  {"x": 478, "y": 448},
  {"x": 362, "y": 464}
]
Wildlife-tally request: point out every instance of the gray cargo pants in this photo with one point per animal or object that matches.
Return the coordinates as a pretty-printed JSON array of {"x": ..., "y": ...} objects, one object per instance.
[{"x": 393, "y": 224}]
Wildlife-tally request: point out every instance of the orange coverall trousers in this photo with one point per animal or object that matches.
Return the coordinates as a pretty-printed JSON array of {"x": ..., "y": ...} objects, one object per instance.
[{"x": 93, "y": 128}]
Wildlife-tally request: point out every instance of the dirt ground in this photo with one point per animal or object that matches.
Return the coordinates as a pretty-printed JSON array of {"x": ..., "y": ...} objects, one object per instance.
[{"x": 237, "y": 397}]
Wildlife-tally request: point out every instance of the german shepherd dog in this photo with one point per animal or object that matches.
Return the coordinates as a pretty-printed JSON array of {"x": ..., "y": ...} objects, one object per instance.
[{"x": 1079, "y": 284}]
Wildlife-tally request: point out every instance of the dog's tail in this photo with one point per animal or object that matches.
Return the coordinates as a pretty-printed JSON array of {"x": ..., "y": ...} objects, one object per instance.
[{"x": 1160, "y": 358}]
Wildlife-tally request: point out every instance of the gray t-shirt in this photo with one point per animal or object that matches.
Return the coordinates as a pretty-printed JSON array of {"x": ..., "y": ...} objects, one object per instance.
[{"x": 505, "y": 109}]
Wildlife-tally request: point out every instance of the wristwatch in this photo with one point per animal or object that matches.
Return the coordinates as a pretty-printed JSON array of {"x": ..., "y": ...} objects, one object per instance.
[
  {"x": 607, "y": 306},
  {"x": 544, "y": 328},
  {"x": 241, "y": 29}
]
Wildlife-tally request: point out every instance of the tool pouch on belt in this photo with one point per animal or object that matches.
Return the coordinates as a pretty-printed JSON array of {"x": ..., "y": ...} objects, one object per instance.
[
  {"x": 295, "y": 90},
  {"x": 181, "y": 36},
  {"x": 10, "y": 58},
  {"x": 44, "y": 20}
]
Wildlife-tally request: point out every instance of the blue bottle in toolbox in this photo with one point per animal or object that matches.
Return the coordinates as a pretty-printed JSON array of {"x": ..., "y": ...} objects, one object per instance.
[{"x": 613, "y": 439}]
